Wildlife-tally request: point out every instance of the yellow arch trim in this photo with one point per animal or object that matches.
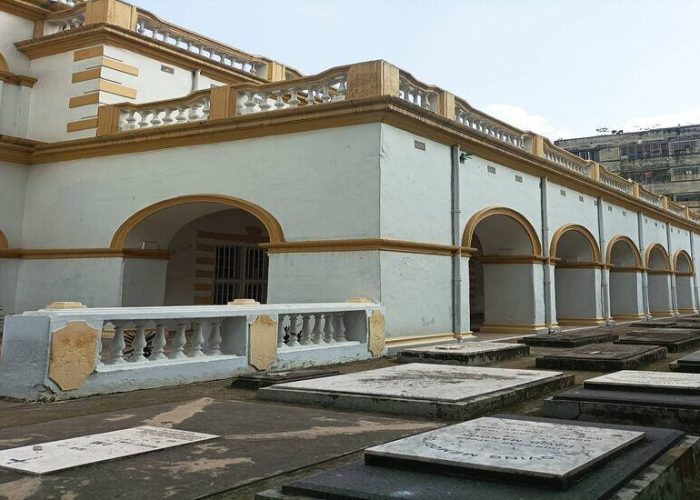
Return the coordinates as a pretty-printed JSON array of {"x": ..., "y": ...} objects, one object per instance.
[
  {"x": 577, "y": 229},
  {"x": 516, "y": 216},
  {"x": 683, "y": 254},
  {"x": 4, "y": 245},
  {"x": 3, "y": 64},
  {"x": 628, "y": 241},
  {"x": 664, "y": 253},
  {"x": 274, "y": 229}
]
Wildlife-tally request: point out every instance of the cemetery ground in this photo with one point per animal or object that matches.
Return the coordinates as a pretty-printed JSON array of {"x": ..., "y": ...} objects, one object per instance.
[{"x": 262, "y": 444}]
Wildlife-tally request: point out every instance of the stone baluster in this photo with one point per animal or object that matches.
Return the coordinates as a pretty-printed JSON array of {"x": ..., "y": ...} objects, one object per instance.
[
  {"x": 294, "y": 100},
  {"x": 279, "y": 102},
  {"x": 144, "y": 119},
  {"x": 340, "y": 328},
  {"x": 341, "y": 92},
  {"x": 214, "y": 340},
  {"x": 249, "y": 104},
  {"x": 179, "y": 341},
  {"x": 182, "y": 114},
  {"x": 317, "y": 332},
  {"x": 195, "y": 112},
  {"x": 159, "y": 343},
  {"x": 328, "y": 328},
  {"x": 265, "y": 103},
  {"x": 305, "y": 329},
  {"x": 310, "y": 97},
  {"x": 280, "y": 332},
  {"x": 156, "y": 121},
  {"x": 197, "y": 339},
  {"x": 117, "y": 346},
  {"x": 292, "y": 332},
  {"x": 168, "y": 118},
  {"x": 131, "y": 120},
  {"x": 139, "y": 343}
]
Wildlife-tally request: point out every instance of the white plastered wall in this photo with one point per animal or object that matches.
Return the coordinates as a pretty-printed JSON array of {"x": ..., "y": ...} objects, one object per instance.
[
  {"x": 13, "y": 180},
  {"x": 15, "y": 29}
]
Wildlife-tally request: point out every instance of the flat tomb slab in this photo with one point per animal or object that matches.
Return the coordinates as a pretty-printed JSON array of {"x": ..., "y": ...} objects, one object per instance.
[
  {"x": 617, "y": 473},
  {"x": 421, "y": 389},
  {"x": 571, "y": 339},
  {"x": 687, "y": 325},
  {"x": 65, "y": 454},
  {"x": 502, "y": 449},
  {"x": 465, "y": 353},
  {"x": 265, "y": 379},
  {"x": 647, "y": 381},
  {"x": 602, "y": 357},
  {"x": 688, "y": 364},
  {"x": 673, "y": 341}
]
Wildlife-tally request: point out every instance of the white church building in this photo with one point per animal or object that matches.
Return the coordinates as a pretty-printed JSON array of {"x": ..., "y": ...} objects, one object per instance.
[{"x": 143, "y": 164}]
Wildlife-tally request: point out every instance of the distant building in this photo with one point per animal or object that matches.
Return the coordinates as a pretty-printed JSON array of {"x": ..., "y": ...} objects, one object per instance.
[{"x": 665, "y": 160}]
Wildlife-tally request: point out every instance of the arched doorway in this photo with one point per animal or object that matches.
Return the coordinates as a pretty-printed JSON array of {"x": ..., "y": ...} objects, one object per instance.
[
  {"x": 659, "y": 281},
  {"x": 685, "y": 282},
  {"x": 577, "y": 276},
  {"x": 196, "y": 250},
  {"x": 505, "y": 272},
  {"x": 625, "y": 268}
]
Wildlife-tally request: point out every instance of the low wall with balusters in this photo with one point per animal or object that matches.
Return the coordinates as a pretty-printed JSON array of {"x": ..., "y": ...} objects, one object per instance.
[{"x": 54, "y": 354}]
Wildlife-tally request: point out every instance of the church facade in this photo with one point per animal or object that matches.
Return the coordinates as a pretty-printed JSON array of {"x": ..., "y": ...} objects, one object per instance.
[{"x": 142, "y": 164}]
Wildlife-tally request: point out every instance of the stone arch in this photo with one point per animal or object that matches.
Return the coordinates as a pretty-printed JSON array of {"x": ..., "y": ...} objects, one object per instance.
[
  {"x": 657, "y": 258},
  {"x": 3, "y": 64},
  {"x": 274, "y": 229},
  {"x": 506, "y": 257},
  {"x": 576, "y": 255},
  {"x": 623, "y": 242},
  {"x": 682, "y": 263},
  {"x": 584, "y": 233},
  {"x": 505, "y": 214},
  {"x": 625, "y": 266}
]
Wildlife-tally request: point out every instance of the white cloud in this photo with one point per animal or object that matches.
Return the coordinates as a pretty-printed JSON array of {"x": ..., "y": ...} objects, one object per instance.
[
  {"x": 520, "y": 118},
  {"x": 688, "y": 117}
]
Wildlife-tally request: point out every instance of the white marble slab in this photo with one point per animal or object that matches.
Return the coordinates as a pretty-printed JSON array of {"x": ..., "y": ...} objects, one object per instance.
[
  {"x": 465, "y": 347},
  {"x": 424, "y": 381},
  {"x": 632, "y": 379},
  {"x": 537, "y": 449},
  {"x": 54, "y": 456}
]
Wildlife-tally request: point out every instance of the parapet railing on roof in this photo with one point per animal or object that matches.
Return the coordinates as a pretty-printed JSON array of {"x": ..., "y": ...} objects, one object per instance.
[
  {"x": 64, "y": 20},
  {"x": 366, "y": 80}
]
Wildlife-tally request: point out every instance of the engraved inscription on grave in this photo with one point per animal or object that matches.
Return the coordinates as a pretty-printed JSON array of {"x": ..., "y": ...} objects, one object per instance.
[{"x": 528, "y": 450}]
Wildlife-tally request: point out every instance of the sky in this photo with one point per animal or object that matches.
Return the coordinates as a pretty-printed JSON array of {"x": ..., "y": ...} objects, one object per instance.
[{"x": 561, "y": 68}]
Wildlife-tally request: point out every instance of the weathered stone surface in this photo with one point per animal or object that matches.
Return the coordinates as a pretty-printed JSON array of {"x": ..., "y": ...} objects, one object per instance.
[
  {"x": 65, "y": 454},
  {"x": 358, "y": 480},
  {"x": 265, "y": 379},
  {"x": 673, "y": 341},
  {"x": 571, "y": 339},
  {"x": 377, "y": 333},
  {"x": 688, "y": 325},
  {"x": 465, "y": 353},
  {"x": 688, "y": 364},
  {"x": 436, "y": 391},
  {"x": 263, "y": 342},
  {"x": 602, "y": 357},
  {"x": 73, "y": 354},
  {"x": 661, "y": 409},
  {"x": 632, "y": 380},
  {"x": 552, "y": 454}
]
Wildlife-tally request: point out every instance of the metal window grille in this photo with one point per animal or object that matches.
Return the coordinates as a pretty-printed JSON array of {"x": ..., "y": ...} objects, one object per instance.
[{"x": 240, "y": 272}]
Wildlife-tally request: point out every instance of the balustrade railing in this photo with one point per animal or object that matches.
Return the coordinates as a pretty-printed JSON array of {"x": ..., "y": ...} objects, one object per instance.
[
  {"x": 649, "y": 197},
  {"x": 615, "y": 181},
  {"x": 567, "y": 160},
  {"x": 418, "y": 93},
  {"x": 324, "y": 88},
  {"x": 486, "y": 125},
  {"x": 193, "y": 108},
  {"x": 150, "y": 26},
  {"x": 65, "y": 20},
  {"x": 314, "y": 329},
  {"x": 675, "y": 208}
]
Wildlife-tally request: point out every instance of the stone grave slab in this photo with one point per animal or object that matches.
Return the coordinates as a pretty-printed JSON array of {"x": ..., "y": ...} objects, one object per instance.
[
  {"x": 602, "y": 357},
  {"x": 503, "y": 449},
  {"x": 465, "y": 353},
  {"x": 55, "y": 456},
  {"x": 612, "y": 475},
  {"x": 265, "y": 379},
  {"x": 687, "y": 364},
  {"x": 673, "y": 341},
  {"x": 647, "y": 381},
  {"x": 666, "y": 324},
  {"x": 420, "y": 389},
  {"x": 571, "y": 339}
]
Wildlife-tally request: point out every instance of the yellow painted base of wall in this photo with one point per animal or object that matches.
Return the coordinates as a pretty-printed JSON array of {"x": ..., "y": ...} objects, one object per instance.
[
  {"x": 492, "y": 328},
  {"x": 581, "y": 321},
  {"x": 661, "y": 314},
  {"x": 628, "y": 317},
  {"x": 687, "y": 310},
  {"x": 424, "y": 339}
]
